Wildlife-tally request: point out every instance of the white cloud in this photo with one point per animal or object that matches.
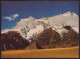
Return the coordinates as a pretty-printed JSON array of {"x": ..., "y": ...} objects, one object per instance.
[
  {"x": 11, "y": 17},
  {"x": 15, "y": 15}
]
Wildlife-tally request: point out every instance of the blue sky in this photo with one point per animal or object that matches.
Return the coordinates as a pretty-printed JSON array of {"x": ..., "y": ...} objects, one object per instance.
[{"x": 14, "y": 11}]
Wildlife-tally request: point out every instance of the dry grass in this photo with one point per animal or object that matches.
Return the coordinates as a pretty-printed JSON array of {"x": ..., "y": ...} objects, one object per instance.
[{"x": 72, "y": 52}]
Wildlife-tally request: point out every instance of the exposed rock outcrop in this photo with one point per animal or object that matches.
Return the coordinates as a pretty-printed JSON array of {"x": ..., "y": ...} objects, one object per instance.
[
  {"x": 51, "y": 39},
  {"x": 12, "y": 41},
  {"x": 47, "y": 38}
]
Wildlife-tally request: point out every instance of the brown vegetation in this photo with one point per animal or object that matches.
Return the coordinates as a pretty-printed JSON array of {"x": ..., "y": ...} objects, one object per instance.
[{"x": 71, "y": 52}]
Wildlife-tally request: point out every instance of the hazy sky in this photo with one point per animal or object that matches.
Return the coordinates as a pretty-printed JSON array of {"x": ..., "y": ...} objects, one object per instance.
[{"x": 12, "y": 12}]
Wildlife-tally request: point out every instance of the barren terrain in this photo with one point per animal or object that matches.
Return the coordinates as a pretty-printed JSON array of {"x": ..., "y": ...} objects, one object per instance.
[{"x": 72, "y": 52}]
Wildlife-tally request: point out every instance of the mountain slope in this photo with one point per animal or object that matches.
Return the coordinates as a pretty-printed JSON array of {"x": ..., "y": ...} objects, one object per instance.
[
  {"x": 31, "y": 27},
  {"x": 13, "y": 41}
]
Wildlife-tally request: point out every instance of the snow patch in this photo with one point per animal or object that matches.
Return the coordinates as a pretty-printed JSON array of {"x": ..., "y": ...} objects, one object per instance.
[
  {"x": 35, "y": 31},
  {"x": 30, "y": 27}
]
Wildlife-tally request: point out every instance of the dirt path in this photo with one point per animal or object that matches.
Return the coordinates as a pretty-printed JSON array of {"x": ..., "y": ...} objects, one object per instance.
[{"x": 72, "y": 52}]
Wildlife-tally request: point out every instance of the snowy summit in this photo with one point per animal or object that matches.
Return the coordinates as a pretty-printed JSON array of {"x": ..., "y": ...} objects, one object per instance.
[{"x": 31, "y": 27}]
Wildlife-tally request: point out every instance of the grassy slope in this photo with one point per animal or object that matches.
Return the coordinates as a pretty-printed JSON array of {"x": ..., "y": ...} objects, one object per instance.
[{"x": 72, "y": 52}]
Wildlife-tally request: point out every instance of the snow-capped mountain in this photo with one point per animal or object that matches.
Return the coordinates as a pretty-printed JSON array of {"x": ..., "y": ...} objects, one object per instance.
[{"x": 31, "y": 27}]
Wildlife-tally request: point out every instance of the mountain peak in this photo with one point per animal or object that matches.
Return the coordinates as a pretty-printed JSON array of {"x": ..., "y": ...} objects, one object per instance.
[
  {"x": 67, "y": 13},
  {"x": 74, "y": 14},
  {"x": 45, "y": 18},
  {"x": 30, "y": 17}
]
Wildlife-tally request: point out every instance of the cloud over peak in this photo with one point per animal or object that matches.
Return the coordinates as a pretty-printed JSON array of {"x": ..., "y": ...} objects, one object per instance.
[{"x": 10, "y": 18}]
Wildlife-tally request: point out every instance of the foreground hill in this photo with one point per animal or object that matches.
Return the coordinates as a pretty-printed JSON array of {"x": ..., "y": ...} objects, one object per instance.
[
  {"x": 47, "y": 39},
  {"x": 51, "y": 39},
  {"x": 72, "y": 52},
  {"x": 13, "y": 41}
]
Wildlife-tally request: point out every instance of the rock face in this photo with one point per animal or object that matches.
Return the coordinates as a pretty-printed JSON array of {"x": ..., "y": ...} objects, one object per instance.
[
  {"x": 32, "y": 46},
  {"x": 12, "y": 41},
  {"x": 70, "y": 35},
  {"x": 71, "y": 38},
  {"x": 51, "y": 39},
  {"x": 29, "y": 26},
  {"x": 47, "y": 38},
  {"x": 46, "y": 32}
]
